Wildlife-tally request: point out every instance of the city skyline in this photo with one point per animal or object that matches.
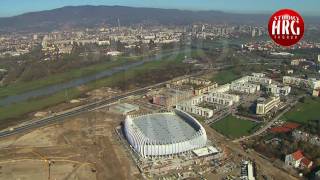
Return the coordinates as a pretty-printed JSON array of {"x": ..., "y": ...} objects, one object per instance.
[{"x": 16, "y": 7}]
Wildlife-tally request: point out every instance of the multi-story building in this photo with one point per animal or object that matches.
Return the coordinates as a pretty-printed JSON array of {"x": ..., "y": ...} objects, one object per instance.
[
  {"x": 296, "y": 62},
  {"x": 259, "y": 78},
  {"x": 200, "y": 86},
  {"x": 316, "y": 92},
  {"x": 303, "y": 83},
  {"x": 222, "y": 88},
  {"x": 191, "y": 106},
  {"x": 250, "y": 84},
  {"x": 298, "y": 160},
  {"x": 222, "y": 98},
  {"x": 170, "y": 97},
  {"x": 278, "y": 90},
  {"x": 247, "y": 171},
  {"x": 245, "y": 87},
  {"x": 266, "y": 105}
]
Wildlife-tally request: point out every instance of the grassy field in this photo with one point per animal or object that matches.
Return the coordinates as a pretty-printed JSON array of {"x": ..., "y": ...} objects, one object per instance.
[
  {"x": 21, "y": 87},
  {"x": 233, "y": 127},
  {"x": 19, "y": 109},
  {"x": 225, "y": 76},
  {"x": 303, "y": 112}
]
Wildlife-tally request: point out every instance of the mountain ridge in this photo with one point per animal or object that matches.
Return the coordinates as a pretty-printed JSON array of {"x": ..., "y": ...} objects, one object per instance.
[{"x": 89, "y": 16}]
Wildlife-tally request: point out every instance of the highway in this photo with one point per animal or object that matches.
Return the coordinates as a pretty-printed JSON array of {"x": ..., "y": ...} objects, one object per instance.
[{"x": 61, "y": 116}]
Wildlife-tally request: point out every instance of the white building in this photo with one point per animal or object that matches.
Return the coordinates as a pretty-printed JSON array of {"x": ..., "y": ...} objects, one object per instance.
[
  {"x": 114, "y": 53},
  {"x": 247, "y": 171},
  {"x": 191, "y": 106},
  {"x": 266, "y": 105},
  {"x": 278, "y": 90},
  {"x": 222, "y": 98},
  {"x": 245, "y": 87},
  {"x": 164, "y": 134},
  {"x": 250, "y": 84},
  {"x": 303, "y": 83},
  {"x": 297, "y": 160},
  {"x": 222, "y": 88},
  {"x": 259, "y": 78}
]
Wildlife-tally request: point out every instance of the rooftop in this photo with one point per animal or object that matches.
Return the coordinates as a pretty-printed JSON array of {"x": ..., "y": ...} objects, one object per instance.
[{"x": 165, "y": 128}]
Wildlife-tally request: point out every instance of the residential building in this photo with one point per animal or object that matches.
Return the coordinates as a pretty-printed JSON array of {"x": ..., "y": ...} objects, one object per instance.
[
  {"x": 278, "y": 90},
  {"x": 302, "y": 83},
  {"x": 200, "y": 86},
  {"x": 316, "y": 92},
  {"x": 247, "y": 171},
  {"x": 222, "y": 89},
  {"x": 245, "y": 87},
  {"x": 259, "y": 78},
  {"x": 191, "y": 106},
  {"x": 169, "y": 97},
  {"x": 222, "y": 98},
  {"x": 266, "y": 105},
  {"x": 296, "y": 62},
  {"x": 297, "y": 160}
]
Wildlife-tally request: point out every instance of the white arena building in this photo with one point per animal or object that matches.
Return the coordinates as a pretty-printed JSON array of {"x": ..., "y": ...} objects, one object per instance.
[{"x": 163, "y": 134}]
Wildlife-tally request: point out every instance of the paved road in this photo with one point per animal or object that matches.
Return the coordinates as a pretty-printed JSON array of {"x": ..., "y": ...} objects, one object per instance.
[
  {"x": 270, "y": 123},
  {"x": 58, "y": 117},
  {"x": 61, "y": 116}
]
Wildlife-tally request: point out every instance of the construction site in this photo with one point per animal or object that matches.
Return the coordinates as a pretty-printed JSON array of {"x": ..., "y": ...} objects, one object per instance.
[{"x": 83, "y": 147}]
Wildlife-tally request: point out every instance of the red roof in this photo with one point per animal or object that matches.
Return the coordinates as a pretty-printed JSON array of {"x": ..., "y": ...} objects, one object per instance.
[
  {"x": 306, "y": 162},
  {"x": 297, "y": 155},
  {"x": 280, "y": 130},
  {"x": 291, "y": 125},
  {"x": 286, "y": 127}
]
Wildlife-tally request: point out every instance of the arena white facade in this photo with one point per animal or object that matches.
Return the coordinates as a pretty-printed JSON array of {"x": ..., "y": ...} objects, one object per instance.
[{"x": 163, "y": 134}]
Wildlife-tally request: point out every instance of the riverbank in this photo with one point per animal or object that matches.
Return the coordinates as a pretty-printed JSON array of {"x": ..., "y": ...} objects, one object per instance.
[{"x": 148, "y": 73}]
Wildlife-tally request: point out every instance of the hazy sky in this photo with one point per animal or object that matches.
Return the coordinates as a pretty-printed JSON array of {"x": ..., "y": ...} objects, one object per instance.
[{"x": 306, "y": 7}]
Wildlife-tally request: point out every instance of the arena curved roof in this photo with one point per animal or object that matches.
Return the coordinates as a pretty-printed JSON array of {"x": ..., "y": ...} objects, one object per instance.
[{"x": 165, "y": 128}]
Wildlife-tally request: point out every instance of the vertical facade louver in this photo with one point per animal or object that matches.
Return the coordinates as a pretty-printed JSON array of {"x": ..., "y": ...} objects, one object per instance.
[{"x": 177, "y": 140}]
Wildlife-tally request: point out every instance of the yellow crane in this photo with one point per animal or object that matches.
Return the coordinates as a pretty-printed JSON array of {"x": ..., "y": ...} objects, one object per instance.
[{"x": 46, "y": 160}]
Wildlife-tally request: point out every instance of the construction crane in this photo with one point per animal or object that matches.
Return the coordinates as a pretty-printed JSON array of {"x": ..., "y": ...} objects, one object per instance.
[{"x": 46, "y": 160}]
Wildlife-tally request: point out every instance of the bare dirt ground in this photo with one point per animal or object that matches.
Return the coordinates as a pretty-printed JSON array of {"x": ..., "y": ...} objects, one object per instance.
[
  {"x": 83, "y": 147},
  {"x": 264, "y": 167}
]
